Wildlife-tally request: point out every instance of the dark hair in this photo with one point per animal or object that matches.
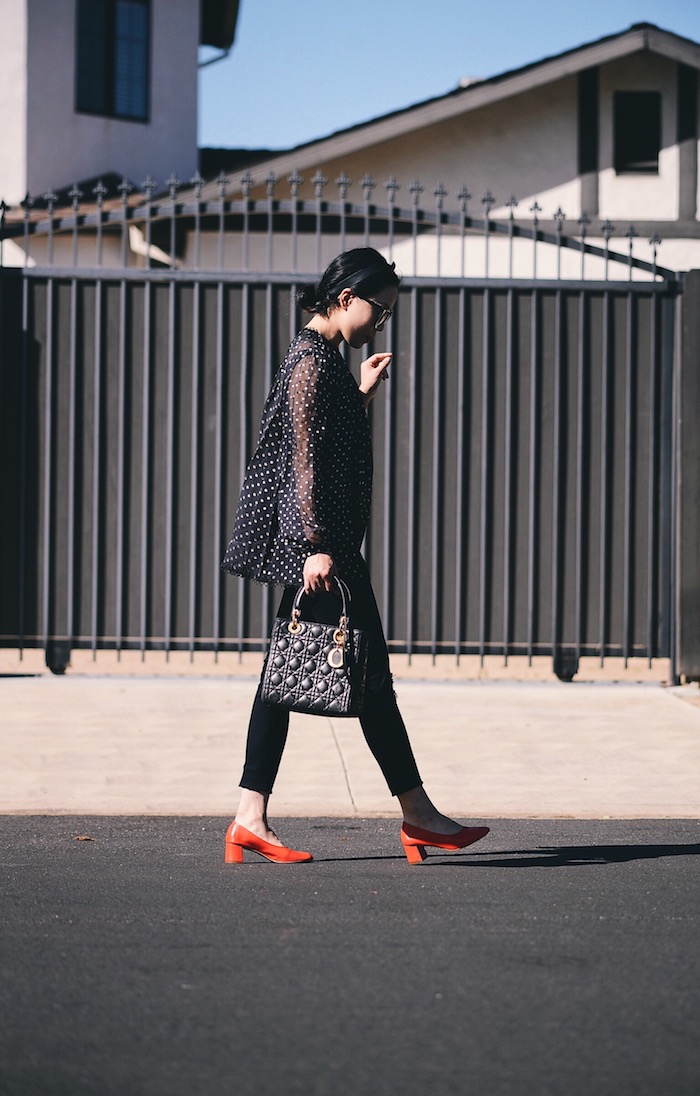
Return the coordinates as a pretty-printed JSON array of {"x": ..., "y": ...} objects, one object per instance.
[{"x": 363, "y": 268}]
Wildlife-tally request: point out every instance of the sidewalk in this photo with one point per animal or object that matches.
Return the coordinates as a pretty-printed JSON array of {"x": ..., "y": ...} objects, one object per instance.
[{"x": 86, "y": 744}]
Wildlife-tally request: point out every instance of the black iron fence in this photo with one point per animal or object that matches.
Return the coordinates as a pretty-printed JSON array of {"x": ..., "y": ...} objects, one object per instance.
[{"x": 529, "y": 456}]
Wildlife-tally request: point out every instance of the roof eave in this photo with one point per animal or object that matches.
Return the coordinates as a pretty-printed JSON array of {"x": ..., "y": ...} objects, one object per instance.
[{"x": 477, "y": 96}]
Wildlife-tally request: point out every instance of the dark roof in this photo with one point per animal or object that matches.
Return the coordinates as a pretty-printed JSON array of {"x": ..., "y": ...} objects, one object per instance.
[
  {"x": 493, "y": 80},
  {"x": 217, "y": 23},
  {"x": 214, "y": 160}
]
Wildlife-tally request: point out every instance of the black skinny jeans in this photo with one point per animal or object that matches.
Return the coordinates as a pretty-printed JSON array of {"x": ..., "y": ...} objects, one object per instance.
[{"x": 381, "y": 721}]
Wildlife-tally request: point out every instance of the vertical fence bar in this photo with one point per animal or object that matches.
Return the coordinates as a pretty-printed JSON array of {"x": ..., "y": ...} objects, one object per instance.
[
  {"x": 556, "y": 476},
  {"x": 388, "y": 496},
  {"x": 440, "y": 194},
  {"x": 559, "y": 218},
  {"x": 47, "y": 508},
  {"x": 412, "y": 474},
  {"x": 24, "y": 396},
  {"x": 629, "y": 482},
  {"x": 416, "y": 190},
  {"x": 194, "y": 467},
  {"x": 484, "y": 571},
  {"x": 533, "y": 475},
  {"x": 460, "y": 477},
  {"x": 145, "y": 465},
  {"x": 488, "y": 201},
  {"x": 124, "y": 189},
  {"x": 295, "y": 180},
  {"x": 246, "y": 184},
  {"x": 218, "y": 466},
  {"x": 605, "y": 473},
  {"x": 96, "y": 467},
  {"x": 271, "y": 182},
  {"x": 343, "y": 183},
  {"x": 99, "y": 190},
  {"x": 535, "y": 208},
  {"x": 243, "y": 437},
  {"x": 222, "y": 182},
  {"x": 463, "y": 197},
  {"x": 580, "y": 472},
  {"x": 652, "y": 489},
  {"x": 121, "y": 470},
  {"x": 437, "y": 509},
  {"x": 269, "y": 368},
  {"x": 170, "y": 486},
  {"x": 392, "y": 186},
  {"x": 511, "y": 204},
  {"x": 368, "y": 184},
  {"x": 508, "y": 477},
  {"x": 72, "y": 442}
]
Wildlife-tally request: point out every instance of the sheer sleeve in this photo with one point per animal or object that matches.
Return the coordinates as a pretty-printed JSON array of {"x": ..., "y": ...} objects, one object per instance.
[{"x": 309, "y": 397}]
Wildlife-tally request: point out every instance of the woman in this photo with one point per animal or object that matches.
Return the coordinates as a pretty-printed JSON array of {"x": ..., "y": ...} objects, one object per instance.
[{"x": 301, "y": 518}]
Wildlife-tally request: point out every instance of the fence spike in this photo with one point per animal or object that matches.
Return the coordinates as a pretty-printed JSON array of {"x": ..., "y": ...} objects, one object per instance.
[
  {"x": 463, "y": 197},
  {"x": 319, "y": 181},
  {"x": 295, "y": 180},
  {"x": 343, "y": 183},
  {"x": 416, "y": 190}
]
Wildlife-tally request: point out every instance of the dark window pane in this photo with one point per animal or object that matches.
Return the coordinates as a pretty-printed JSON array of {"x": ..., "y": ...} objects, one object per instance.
[
  {"x": 112, "y": 75},
  {"x": 93, "y": 68},
  {"x": 637, "y": 129},
  {"x": 131, "y": 59}
]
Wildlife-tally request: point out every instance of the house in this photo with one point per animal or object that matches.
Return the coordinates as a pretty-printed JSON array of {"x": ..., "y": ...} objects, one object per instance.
[
  {"x": 599, "y": 142},
  {"x": 606, "y": 134},
  {"x": 101, "y": 90}
]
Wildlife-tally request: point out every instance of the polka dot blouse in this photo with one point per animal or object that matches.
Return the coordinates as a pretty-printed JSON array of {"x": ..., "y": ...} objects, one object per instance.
[{"x": 308, "y": 486}]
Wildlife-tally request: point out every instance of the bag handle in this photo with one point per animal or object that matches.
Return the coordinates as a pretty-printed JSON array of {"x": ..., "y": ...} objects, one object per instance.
[{"x": 345, "y": 598}]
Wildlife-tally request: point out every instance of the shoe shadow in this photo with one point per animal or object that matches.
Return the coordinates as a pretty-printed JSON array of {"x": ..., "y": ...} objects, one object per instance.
[{"x": 564, "y": 856}]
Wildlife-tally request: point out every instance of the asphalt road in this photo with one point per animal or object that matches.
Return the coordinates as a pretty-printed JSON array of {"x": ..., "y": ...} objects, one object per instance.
[{"x": 555, "y": 957}]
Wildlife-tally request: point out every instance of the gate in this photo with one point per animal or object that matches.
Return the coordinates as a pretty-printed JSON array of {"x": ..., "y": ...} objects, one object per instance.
[{"x": 525, "y": 457}]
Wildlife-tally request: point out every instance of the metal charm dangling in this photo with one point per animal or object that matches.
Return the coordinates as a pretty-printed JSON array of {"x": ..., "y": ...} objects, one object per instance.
[{"x": 336, "y": 656}]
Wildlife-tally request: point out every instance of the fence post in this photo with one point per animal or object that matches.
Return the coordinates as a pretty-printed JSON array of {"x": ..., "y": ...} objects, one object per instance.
[{"x": 688, "y": 524}]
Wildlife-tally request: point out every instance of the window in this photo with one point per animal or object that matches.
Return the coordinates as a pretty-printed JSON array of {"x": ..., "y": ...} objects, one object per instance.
[
  {"x": 113, "y": 58},
  {"x": 637, "y": 132}
]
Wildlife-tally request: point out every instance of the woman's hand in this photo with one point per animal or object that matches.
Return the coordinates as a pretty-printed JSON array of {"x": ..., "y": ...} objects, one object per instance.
[
  {"x": 372, "y": 371},
  {"x": 318, "y": 573}
]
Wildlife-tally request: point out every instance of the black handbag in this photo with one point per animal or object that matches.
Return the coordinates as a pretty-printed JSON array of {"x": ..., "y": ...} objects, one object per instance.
[{"x": 316, "y": 668}]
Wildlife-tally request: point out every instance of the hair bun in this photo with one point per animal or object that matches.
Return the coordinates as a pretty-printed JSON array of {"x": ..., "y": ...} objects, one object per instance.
[{"x": 308, "y": 297}]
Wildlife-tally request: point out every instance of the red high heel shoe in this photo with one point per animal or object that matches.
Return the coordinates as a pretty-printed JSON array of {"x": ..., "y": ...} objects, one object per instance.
[
  {"x": 414, "y": 840},
  {"x": 239, "y": 838}
]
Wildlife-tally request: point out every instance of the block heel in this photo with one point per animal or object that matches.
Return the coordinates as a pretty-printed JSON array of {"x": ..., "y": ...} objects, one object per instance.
[
  {"x": 239, "y": 838},
  {"x": 415, "y": 839}
]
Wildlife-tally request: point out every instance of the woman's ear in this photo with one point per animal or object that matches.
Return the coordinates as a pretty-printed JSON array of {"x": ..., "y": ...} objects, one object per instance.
[{"x": 344, "y": 298}]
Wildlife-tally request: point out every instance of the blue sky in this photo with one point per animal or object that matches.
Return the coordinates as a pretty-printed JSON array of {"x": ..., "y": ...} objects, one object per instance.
[{"x": 301, "y": 69}]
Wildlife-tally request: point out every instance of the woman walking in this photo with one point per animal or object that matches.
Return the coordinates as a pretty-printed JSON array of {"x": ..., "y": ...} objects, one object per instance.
[{"x": 301, "y": 519}]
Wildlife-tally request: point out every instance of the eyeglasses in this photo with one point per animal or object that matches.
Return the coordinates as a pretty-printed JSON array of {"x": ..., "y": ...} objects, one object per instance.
[{"x": 385, "y": 313}]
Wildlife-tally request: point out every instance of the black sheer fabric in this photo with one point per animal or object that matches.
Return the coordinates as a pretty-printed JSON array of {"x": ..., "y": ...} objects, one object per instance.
[{"x": 308, "y": 486}]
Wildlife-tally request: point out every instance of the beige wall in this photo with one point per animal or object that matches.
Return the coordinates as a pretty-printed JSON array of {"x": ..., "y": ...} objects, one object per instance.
[{"x": 524, "y": 146}]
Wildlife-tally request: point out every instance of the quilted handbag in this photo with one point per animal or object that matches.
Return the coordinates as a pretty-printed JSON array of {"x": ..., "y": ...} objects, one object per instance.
[{"x": 315, "y": 668}]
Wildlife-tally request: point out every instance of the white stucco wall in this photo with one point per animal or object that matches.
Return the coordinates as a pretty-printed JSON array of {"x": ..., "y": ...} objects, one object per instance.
[
  {"x": 641, "y": 197},
  {"x": 63, "y": 146},
  {"x": 523, "y": 146},
  {"x": 13, "y": 100}
]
